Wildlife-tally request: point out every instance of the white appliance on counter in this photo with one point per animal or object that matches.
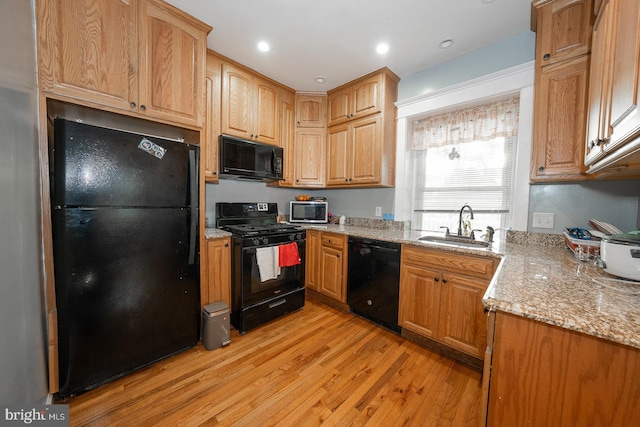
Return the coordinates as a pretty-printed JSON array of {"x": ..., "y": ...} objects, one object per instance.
[{"x": 621, "y": 255}]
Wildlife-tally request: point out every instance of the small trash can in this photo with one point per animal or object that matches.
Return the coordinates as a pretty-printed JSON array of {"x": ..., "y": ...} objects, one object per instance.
[{"x": 215, "y": 325}]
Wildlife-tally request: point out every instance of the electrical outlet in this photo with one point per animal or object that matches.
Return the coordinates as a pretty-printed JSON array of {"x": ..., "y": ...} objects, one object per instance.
[
  {"x": 542, "y": 220},
  {"x": 378, "y": 210}
]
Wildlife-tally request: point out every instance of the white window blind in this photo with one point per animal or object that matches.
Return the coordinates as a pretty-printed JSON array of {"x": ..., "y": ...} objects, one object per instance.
[{"x": 465, "y": 157}]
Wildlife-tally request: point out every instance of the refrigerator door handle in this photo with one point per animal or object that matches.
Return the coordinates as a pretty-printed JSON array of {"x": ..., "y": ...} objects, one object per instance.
[{"x": 193, "y": 183}]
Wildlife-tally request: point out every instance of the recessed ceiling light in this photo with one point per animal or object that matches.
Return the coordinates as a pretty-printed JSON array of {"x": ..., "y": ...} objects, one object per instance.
[
  {"x": 263, "y": 46},
  {"x": 487, "y": 1},
  {"x": 444, "y": 44},
  {"x": 320, "y": 80},
  {"x": 382, "y": 48}
]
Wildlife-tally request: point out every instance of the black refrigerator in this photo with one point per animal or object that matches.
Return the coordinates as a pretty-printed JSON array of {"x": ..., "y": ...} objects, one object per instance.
[{"x": 125, "y": 246}]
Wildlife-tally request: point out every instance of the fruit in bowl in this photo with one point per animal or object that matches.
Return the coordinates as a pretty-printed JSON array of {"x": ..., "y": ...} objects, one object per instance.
[{"x": 302, "y": 198}]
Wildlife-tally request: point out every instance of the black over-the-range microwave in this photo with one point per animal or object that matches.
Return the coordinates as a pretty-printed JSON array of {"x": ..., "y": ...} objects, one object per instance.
[{"x": 243, "y": 159}]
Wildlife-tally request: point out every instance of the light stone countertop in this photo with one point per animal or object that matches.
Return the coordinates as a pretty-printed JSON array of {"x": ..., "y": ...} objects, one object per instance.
[{"x": 536, "y": 281}]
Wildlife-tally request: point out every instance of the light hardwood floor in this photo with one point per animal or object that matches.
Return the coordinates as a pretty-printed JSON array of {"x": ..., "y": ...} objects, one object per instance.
[{"x": 317, "y": 366}]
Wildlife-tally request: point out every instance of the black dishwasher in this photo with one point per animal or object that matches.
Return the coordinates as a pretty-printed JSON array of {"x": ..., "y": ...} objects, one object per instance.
[{"x": 373, "y": 281}]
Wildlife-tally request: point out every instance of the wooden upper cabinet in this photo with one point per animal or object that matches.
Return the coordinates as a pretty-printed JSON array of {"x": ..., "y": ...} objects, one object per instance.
[
  {"x": 213, "y": 95},
  {"x": 624, "y": 76},
  {"x": 173, "y": 65},
  {"x": 355, "y": 100},
  {"x": 87, "y": 50},
  {"x": 598, "y": 130},
  {"x": 563, "y": 29},
  {"x": 310, "y": 155},
  {"x": 354, "y": 153},
  {"x": 311, "y": 111},
  {"x": 249, "y": 105},
  {"x": 563, "y": 42},
  {"x": 560, "y": 121},
  {"x": 361, "y": 142},
  {"x": 613, "y": 145},
  {"x": 287, "y": 137},
  {"x": 142, "y": 57}
]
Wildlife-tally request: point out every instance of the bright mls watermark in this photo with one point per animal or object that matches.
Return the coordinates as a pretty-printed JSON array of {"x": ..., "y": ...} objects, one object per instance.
[{"x": 39, "y": 415}]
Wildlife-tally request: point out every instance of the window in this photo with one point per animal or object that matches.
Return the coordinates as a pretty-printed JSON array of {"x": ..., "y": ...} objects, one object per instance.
[{"x": 464, "y": 157}]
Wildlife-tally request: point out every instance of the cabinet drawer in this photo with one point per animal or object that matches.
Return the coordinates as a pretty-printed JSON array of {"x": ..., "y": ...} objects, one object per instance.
[
  {"x": 449, "y": 261},
  {"x": 334, "y": 240}
]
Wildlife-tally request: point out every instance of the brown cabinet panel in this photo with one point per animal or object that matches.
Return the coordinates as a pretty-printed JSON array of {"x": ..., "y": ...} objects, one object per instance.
[
  {"x": 237, "y": 101},
  {"x": 173, "y": 67},
  {"x": 266, "y": 119},
  {"x": 141, "y": 57},
  {"x": 250, "y": 105},
  {"x": 312, "y": 266},
  {"x": 88, "y": 50},
  {"x": 563, "y": 30},
  {"x": 560, "y": 121},
  {"x": 209, "y": 142},
  {"x": 354, "y": 154},
  {"x": 598, "y": 130},
  {"x": 613, "y": 145},
  {"x": 339, "y": 107},
  {"x": 463, "y": 325},
  {"x": 287, "y": 142},
  {"x": 338, "y": 155},
  {"x": 218, "y": 282},
  {"x": 443, "y": 305},
  {"x": 419, "y": 305},
  {"x": 332, "y": 280},
  {"x": 326, "y": 268},
  {"x": 625, "y": 73},
  {"x": 543, "y": 375},
  {"x": 311, "y": 111},
  {"x": 310, "y": 150}
]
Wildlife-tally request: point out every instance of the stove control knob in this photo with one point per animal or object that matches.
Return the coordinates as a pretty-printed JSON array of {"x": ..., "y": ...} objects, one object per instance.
[
  {"x": 255, "y": 242},
  {"x": 265, "y": 241},
  {"x": 299, "y": 236}
]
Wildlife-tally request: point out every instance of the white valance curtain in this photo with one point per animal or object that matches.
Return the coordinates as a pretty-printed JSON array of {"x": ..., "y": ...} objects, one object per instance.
[{"x": 480, "y": 123}]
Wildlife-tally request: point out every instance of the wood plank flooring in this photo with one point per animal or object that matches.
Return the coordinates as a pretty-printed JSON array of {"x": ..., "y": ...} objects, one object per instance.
[{"x": 317, "y": 366}]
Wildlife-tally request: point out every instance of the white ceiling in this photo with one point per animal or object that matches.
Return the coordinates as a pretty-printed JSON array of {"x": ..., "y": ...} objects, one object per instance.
[{"x": 337, "y": 38}]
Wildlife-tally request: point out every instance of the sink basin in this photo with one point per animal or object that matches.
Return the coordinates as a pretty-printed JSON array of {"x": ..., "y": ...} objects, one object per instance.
[{"x": 456, "y": 241}]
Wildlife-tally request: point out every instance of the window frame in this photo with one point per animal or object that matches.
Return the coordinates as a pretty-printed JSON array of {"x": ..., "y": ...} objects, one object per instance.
[{"x": 514, "y": 81}]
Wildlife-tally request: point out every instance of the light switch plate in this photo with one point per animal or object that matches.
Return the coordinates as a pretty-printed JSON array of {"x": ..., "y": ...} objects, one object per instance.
[
  {"x": 543, "y": 220},
  {"x": 378, "y": 210}
]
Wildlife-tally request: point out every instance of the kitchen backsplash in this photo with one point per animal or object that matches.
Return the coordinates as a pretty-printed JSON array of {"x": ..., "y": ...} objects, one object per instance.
[
  {"x": 526, "y": 237},
  {"x": 365, "y": 222}
]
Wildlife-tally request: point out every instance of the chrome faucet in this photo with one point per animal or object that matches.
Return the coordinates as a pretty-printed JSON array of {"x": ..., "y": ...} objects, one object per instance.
[{"x": 460, "y": 218}]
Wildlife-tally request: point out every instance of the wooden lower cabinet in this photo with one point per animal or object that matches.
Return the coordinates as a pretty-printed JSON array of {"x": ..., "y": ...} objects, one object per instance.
[
  {"x": 441, "y": 297},
  {"x": 217, "y": 285},
  {"x": 544, "y": 375},
  {"x": 326, "y": 268}
]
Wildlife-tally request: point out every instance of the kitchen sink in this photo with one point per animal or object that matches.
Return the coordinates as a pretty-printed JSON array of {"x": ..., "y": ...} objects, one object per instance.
[{"x": 456, "y": 241}]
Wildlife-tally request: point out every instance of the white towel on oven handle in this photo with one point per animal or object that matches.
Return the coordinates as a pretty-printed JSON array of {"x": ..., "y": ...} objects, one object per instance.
[{"x": 268, "y": 262}]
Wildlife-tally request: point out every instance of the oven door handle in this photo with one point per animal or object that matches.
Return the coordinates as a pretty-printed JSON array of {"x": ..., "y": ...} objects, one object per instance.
[{"x": 277, "y": 303}]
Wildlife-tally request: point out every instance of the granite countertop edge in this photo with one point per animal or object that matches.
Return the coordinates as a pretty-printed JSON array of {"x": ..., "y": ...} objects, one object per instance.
[{"x": 534, "y": 281}]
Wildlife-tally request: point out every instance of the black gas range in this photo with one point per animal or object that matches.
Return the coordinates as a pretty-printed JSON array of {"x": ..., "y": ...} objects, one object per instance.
[{"x": 258, "y": 297}]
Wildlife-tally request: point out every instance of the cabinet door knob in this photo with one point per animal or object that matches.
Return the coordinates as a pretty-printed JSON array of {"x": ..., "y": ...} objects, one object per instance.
[
  {"x": 444, "y": 280},
  {"x": 143, "y": 107},
  {"x": 226, "y": 245},
  {"x": 132, "y": 104},
  {"x": 541, "y": 168},
  {"x": 546, "y": 56},
  {"x": 337, "y": 255},
  {"x": 436, "y": 279}
]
